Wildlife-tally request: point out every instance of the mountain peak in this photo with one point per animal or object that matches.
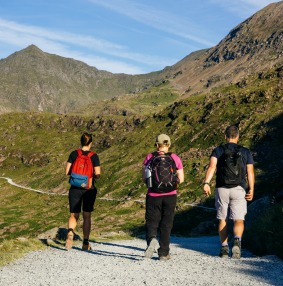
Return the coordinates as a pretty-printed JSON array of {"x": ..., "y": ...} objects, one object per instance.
[
  {"x": 31, "y": 51},
  {"x": 32, "y": 48},
  {"x": 262, "y": 31}
]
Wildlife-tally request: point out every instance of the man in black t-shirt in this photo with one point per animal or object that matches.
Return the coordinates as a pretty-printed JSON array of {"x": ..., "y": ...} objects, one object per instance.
[{"x": 231, "y": 200}]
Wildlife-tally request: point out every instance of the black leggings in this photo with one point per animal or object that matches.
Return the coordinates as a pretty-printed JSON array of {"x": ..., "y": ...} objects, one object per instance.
[{"x": 159, "y": 215}]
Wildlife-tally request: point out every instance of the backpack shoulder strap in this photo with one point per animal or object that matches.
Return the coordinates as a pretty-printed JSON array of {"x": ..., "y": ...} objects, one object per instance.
[
  {"x": 90, "y": 153},
  {"x": 80, "y": 152},
  {"x": 172, "y": 159},
  {"x": 237, "y": 148},
  {"x": 154, "y": 155}
]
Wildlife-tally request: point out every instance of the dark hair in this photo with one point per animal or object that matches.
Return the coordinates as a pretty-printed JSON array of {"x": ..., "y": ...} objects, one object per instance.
[
  {"x": 86, "y": 139},
  {"x": 232, "y": 132}
]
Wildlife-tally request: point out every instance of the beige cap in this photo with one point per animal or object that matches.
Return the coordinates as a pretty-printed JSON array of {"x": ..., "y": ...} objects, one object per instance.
[{"x": 163, "y": 139}]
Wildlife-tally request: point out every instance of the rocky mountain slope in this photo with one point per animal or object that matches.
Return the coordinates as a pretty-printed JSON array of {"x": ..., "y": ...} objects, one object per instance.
[
  {"x": 33, "y": 80},
  {"x": 253, "y": 46}
]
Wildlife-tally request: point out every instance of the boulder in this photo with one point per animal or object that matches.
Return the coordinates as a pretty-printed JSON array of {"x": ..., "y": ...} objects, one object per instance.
[{"x": 257, "y": 209}]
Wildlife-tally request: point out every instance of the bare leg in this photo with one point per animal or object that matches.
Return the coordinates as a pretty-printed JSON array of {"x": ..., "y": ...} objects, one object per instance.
[
  {"x": 238, "y": 232},
  {"x": 72, "y": 223},
  {"x": 223, "y": 231},
  {"x": 238, "y": 228},
  {"x": 73, "y": 220}
]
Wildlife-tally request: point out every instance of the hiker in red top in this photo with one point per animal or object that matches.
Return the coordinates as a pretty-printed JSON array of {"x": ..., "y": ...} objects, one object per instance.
[
  {"x": 83, "y": 166},
  {"x": 162, "y": 172}
]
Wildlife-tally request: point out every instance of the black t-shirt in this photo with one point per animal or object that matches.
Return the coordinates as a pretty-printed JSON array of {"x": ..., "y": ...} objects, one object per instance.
[
  {"x": 247, "y": 159},
  {"x": 94, "y": 158}
]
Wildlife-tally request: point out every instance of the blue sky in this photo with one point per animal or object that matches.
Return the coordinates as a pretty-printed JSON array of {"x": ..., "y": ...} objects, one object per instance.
[{"x": 121, "y": 36}]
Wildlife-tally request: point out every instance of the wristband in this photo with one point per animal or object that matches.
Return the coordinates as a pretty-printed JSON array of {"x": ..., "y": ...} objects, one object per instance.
[{"x": 205, "y": 183}]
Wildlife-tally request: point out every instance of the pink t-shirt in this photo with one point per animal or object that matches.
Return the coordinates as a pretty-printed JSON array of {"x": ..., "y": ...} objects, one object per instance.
[{"x": 179, "y": 166}]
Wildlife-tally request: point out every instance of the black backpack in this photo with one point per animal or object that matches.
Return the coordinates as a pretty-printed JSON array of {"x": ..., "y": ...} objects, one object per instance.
[
  {"x": 231, "y": 166},
  {"x": 163, "y": 173}
]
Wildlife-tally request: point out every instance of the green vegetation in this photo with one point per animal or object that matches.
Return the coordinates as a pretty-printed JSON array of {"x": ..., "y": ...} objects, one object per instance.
[
  {"x": 11, "y": 250},
  {"x": 34, "y": 148},
  {"x": 139, "y": 105},
  {"x": 25, "y": 215}
]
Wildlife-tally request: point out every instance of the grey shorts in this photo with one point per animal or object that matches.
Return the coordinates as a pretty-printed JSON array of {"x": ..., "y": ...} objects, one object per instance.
[{"x": 231, "y": 203}]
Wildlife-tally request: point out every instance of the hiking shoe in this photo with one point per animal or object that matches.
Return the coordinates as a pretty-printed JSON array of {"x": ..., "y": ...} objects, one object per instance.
[
  {"x": 164, "y": 258},
  {"x": 151, "y": 248},
  {"x": 224, "y": 251},
  {"x": 236, "y": 249},
  {"x": 69, "y": 241},
  {"x": 86, "y": 247}
]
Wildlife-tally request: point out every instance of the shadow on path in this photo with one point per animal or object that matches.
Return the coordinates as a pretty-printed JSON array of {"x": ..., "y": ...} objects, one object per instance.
[
  {"x": 209, "y": 245},
  {"x": 118, "y": 254},
  {"x": 120, "y": 245}
]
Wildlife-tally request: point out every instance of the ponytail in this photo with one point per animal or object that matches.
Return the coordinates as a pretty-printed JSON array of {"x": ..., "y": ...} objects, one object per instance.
[{"x": 86, "y": 139}]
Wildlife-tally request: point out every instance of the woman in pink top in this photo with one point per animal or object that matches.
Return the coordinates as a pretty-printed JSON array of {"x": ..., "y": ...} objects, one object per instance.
[{"x": 161, "y": 199}]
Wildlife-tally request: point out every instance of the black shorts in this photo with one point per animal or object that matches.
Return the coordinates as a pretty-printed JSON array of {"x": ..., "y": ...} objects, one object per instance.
[{"x": 79, "y": 198}]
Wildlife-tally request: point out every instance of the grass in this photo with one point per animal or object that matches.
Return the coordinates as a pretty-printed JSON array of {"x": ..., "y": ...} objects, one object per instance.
[
  {"x": 11, "y": 250},
  {"x": 25, "y": 215},
  {"x": 139, "y": 105}
]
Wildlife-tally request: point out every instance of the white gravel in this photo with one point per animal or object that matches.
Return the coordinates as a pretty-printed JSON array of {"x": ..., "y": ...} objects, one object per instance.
[{"x": 194, "y": 261}]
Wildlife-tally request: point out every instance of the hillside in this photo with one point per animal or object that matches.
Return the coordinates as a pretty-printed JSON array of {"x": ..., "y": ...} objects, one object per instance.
[
  {"x": 34, "y": 148},
  {"x": 32, "y": 140},
  {"x": 33, "y": 80}
]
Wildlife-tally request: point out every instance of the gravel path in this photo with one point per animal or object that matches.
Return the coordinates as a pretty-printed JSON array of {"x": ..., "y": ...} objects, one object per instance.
[{"x": 194, "y": 261}]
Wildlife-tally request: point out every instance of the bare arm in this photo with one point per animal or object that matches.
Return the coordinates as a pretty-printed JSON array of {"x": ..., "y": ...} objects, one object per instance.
[
  {"x": 180, "y": 174},
  {"x": 209, "y": 174},
  {"x": 251, "y": 181},
  {"x": 97, "y": 172},
  {"x": 68, "y": 168}
]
